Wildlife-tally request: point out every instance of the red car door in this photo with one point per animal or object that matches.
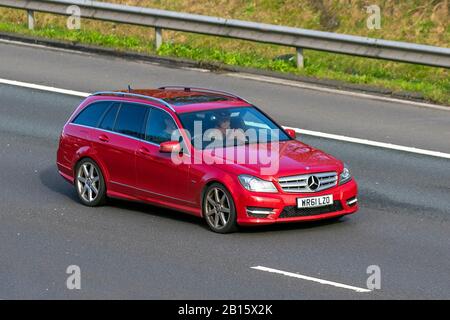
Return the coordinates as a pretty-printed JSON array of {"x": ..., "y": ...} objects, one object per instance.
[
  {"x": 160, "y": 179},
  {"x": 116, "y": 140}
]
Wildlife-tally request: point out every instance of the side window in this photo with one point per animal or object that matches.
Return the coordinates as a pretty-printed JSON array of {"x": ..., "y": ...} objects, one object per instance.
[
  {"x": 110, "y": 117},
  {"x": 160, "y": 127},
  {"x": 90, "y": 116},
  {"x": 130, "y": 120}
]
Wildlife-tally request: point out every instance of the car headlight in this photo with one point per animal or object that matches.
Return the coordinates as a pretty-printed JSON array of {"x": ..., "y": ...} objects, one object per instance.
[
  {"x": 257, "y": 185},
  {"x": 345, "y": 175}
]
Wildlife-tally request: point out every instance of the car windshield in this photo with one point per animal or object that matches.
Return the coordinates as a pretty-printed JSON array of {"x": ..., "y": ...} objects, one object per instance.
[{"x": 230, "y": 127}]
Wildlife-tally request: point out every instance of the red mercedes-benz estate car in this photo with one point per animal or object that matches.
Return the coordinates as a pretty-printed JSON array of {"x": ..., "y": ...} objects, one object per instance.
[{"x": 204, "y": 152}]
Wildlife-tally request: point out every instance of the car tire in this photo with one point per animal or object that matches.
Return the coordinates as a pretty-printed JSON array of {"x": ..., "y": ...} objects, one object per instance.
[
  {"x": 90, "y": 183},
  {"x": 218, "y": 209}
]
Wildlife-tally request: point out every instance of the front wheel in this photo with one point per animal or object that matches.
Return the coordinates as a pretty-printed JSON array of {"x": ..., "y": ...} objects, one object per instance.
[
  {"x": 89, "y": 183},
  {"x": 219, "y": 210}
]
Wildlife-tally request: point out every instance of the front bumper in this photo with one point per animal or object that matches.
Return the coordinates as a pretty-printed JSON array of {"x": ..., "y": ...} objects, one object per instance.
[{"x": 283, "y": 206}]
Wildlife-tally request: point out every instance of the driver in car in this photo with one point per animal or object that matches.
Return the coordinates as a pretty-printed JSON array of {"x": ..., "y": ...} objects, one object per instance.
[{"x": 229, "y": 134}]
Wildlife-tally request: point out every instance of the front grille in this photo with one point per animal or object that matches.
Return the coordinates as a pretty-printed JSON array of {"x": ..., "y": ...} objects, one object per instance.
[
  {"x": 293, "y": 211},
  {"x": 308, "y": 182}
]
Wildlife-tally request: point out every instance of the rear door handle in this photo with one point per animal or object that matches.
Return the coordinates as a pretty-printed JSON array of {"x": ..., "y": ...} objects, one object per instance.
[{"x": 103, "y": 138}]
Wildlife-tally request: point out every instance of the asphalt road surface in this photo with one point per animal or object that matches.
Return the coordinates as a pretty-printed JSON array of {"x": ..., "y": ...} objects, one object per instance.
[{"x": 128, "y": 250}]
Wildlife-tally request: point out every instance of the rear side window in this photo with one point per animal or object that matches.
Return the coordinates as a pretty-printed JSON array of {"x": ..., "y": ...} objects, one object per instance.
[
  {"x": 90, "y": 116},
  {"x": 110, "y": 118},
  {"x": 130, "y": 120}
]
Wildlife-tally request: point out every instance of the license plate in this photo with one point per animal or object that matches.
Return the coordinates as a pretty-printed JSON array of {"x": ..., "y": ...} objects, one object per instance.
[{"x": 314, "y": 202}]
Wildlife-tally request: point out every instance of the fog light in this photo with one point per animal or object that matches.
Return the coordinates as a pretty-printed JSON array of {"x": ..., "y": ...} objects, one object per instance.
[
  {"x": 259, "y": 212},
  {"x": 352, "y": 201}
]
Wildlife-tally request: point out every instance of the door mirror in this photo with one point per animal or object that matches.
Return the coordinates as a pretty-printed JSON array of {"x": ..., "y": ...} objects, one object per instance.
[
  {"x": 170, "y": 147},
  {"x": 291, "y": 133}
]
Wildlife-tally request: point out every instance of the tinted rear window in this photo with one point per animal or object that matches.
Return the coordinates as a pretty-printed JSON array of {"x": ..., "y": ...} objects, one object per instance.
[
  {"x": 130, "y": 120},
  {"x": 110, "y": 117},
  {"x": 90, "y": 116}
]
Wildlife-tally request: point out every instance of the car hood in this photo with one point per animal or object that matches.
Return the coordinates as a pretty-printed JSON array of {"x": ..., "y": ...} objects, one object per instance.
[{"x": 274, "y": 160}]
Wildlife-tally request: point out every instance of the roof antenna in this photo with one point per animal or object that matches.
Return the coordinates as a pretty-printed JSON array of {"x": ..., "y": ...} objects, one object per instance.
[{"x": 129, "y": 89}]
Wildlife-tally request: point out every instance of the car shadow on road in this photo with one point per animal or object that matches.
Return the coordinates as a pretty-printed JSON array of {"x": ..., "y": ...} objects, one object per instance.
[
  {"x": 187, "y": 218},
  {"x": 155, "y": 211},
  {"x": 54, "y": 182},
  {"x": 280, "y": 227},
  {"x": 51, "y": 179}
]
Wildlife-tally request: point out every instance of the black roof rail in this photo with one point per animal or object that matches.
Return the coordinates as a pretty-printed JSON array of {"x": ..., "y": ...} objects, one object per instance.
[
  {"x": 186, "y": 88},
  {"x": 133, "y": 95}
]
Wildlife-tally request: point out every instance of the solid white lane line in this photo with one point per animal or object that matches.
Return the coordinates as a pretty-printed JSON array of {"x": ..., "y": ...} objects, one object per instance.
[
  {"x": 372, "y": 143},
  {"x": 43, "y": 88},
  {"x": 321, "y": 281},
  {"x": 303, "y": 85},
  {"x": 301, "y": 131}
]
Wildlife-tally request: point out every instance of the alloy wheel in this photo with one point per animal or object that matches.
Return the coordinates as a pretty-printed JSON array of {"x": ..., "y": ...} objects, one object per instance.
[
  {"x": 88, "y": 182},
  {"x": 217, "y": 208}
]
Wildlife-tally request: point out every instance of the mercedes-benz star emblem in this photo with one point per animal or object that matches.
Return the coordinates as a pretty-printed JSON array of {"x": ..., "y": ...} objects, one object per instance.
[{"x": 313, "y": 183}]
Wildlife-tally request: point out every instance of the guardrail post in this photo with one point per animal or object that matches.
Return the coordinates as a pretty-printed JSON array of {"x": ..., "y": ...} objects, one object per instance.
[
  {"x": 30, "y": 15},
  {"x": 158, "y": 37},
  {"x": 300, "y": 58}
]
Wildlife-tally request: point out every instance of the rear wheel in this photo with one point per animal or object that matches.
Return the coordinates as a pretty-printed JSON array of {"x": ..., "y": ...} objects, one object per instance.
[
  {"x": 89, "y": 183},
  {"x": 219, "y": 210}
]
